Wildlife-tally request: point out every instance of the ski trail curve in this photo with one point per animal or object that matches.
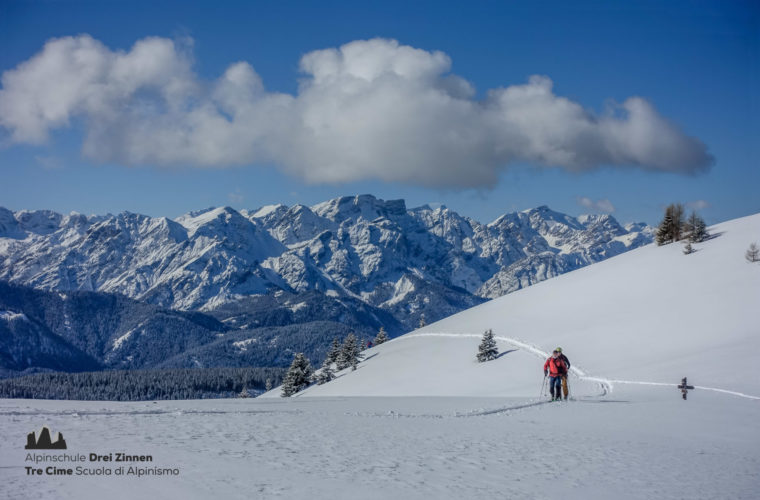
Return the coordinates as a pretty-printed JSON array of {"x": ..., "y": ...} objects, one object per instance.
[{"x": 605, "y": 384}]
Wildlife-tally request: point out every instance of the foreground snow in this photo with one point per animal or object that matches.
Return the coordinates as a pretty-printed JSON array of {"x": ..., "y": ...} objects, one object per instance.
[{"x": 645, "y": 442}]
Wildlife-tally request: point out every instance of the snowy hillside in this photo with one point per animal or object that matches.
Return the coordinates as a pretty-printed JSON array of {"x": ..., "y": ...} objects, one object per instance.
[
  {"x": 650, "y": 316},
  {"x": 405, "y": 262}
]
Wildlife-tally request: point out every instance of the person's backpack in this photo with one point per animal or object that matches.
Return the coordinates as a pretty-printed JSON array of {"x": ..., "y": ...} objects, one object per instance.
[{"x": 562, "y": 366}]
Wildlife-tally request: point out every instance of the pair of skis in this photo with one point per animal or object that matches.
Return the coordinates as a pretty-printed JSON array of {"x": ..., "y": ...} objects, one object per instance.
[{"x": 543, "y": 390}]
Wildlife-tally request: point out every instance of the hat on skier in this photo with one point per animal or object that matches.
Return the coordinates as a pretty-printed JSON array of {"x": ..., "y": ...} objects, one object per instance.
[{"x": 558, "y": 349}]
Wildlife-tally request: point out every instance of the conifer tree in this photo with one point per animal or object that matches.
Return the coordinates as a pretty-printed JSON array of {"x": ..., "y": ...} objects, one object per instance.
[
  {"x": 663, "y": 230},
  {"x": 688, "y": 249},
  {"x": 326, "y": 373},
  {"x": 753, "y": 253},
  {"x": 244, "y": 393},
  {"x": 671, "y": 227},
  {"x": 298, "y": 376},
  {"x": 422, "y": 321},
  {"x": 696, "y": 228},
  {"x": 381, "y": 337},
  {"x": 349, "y": 353},
  {"x": 487, "y": 349},
  {"x": 334, "y": 352}
]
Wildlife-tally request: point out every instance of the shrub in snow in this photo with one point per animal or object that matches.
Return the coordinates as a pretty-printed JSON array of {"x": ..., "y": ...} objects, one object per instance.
[
  {"x": 487, "y": 350},
  {"x": 298, "y": 376},
  {"x": 381, "y": 337},
  {"x": 753, "y": 253},
  {"x": 688, "y": 249}
]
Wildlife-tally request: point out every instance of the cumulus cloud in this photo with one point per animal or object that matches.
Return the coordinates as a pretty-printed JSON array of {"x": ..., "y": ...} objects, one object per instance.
[
  {"x": 370, "y": 109},
  {"x": 604, "y": 205}
]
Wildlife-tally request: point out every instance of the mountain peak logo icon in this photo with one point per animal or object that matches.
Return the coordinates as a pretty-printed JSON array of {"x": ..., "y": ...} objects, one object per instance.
[{"x": 44, "y": 442}]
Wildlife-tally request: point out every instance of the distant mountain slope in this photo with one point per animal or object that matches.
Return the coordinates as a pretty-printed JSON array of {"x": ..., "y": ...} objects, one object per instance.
[
  {"x": 87, "y": 330},
  {"x": 408, "y": 263},
  {"x": 80, "y": 331},
  {"x": 653, "y": 315},
  {"x": 28, "y": 345},
  {"x": 266, "y": 346}
]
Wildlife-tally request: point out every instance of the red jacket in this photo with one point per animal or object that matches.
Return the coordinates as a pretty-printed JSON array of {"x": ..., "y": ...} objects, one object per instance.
[{"x": 557, "y": 367}]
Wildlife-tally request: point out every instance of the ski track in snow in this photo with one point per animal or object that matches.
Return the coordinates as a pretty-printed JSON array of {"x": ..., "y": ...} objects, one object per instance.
[
  {"x": 606, "y": 384},
  {"x": 342, "y": 448}
]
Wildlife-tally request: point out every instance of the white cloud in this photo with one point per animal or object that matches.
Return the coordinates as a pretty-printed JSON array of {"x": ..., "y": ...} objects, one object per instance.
[
  {"x": 370, "y": 109},
  {"x": 604, "y": 205},
  {"x": 236, "y": 197},
  {"x": 49, "y": 162},
  {"x": 698, "y": 205}
]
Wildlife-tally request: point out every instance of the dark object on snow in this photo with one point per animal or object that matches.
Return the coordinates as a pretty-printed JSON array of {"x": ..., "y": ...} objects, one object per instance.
[
  {"x": 753, "y": 253},
  {"x": 487, "y": 351},
  {"x": 685, "y": 387}
]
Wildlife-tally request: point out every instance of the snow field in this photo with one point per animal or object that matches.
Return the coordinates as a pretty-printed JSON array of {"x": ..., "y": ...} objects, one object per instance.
[{"x": 644, "y": 443}]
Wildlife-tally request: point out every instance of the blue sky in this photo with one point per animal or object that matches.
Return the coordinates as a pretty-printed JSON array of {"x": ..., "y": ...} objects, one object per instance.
[{"x": 694, "y": 63}]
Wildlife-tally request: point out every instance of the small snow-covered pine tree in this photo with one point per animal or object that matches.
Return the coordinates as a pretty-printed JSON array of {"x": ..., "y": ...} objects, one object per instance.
[
  {"x": 244, "y": 393},
  {"x": 663, "y": 231},
  {"x": 268, "y": 384},
  {"x": 672, "y": 225},
  {"x": 334, "y": 351},
  {"x": 298, "y": 376},
  {"x": 349, "y": 353},
  {"x": 688, "y": 249},
  {"x": 326, "y": 373},
  {"x": 487, "y": 349},
  {"x": 422, "y": 321},
  {"x": 696, "y": 228},
  {"x": 753, "y": 253},
  {"x": 381, "y": 337}
]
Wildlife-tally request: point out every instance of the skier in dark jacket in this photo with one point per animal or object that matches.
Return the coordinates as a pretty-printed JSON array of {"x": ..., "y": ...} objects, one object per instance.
[
  {"x": 565, "y": 389},
  {"x": 556, "y": 368}
]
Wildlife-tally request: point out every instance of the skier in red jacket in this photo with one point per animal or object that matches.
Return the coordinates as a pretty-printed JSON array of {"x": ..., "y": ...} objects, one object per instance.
[{"x": 556, "y": 368}]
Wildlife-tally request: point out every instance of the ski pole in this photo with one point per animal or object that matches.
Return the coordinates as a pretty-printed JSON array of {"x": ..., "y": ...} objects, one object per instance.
[{"x": 543, "y": 384}]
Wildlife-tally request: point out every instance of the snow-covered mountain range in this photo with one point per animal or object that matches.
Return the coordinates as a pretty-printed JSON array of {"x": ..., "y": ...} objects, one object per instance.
[{"x": 408, "y": 262}]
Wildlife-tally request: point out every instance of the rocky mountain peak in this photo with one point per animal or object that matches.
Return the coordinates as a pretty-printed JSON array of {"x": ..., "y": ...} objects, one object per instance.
[{"x": 403, "y": 261}]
